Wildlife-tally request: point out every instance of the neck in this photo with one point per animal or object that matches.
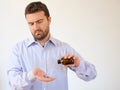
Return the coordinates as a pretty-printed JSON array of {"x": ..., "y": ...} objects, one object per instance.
[{"x": 42, "y": 42}]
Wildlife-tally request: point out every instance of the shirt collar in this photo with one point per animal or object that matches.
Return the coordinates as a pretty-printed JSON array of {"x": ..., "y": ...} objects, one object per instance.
[{"x": 32, "y": 41}]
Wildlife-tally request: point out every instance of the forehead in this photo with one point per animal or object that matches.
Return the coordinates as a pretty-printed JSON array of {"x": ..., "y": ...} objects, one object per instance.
[{"x": 35, "y": 16}]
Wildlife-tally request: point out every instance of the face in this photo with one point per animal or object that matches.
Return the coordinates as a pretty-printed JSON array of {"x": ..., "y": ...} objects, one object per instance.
[{"x": 39, "y": 25}]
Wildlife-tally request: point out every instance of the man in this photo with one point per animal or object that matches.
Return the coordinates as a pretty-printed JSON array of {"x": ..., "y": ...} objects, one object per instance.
[{"x": 33, "y": 63}]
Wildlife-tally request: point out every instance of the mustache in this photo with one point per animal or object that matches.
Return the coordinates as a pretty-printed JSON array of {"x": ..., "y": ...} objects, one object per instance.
[{"x": 38, "y": 30}]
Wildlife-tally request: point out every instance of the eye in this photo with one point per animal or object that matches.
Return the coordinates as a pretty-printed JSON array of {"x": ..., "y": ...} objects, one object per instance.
[
  {"x": 30, "y": 24},
  {"x": 40, "y": 21}
]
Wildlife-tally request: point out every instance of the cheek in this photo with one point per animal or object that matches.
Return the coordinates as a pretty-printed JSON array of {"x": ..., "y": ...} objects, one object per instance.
[
  {"x": 44, "y": 25},
  {"x": 31, "y": 29}
]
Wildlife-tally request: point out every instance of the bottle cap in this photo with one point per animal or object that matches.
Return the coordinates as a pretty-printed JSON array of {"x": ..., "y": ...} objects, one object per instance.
[{"x": 59, "y": 61}]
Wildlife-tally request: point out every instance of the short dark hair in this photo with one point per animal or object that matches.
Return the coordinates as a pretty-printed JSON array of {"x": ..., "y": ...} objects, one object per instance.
[{"x": 36, "y": 7}]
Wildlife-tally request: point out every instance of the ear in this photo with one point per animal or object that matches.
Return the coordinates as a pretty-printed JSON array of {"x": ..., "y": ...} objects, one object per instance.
[{"x": 49, "y": 20}]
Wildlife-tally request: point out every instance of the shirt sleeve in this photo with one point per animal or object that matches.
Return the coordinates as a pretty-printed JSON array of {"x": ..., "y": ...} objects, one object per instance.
[
  {"x": 85, "y": 70},
  {"x": 18, "y": 79}
]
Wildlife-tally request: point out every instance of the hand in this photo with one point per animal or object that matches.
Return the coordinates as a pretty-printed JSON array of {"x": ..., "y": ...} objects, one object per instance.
[
  {"x": 41, "y": 75},
  {"x": 76, "y": 60}
]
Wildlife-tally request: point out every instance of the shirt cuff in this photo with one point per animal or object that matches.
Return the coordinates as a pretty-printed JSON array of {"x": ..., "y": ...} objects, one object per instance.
[
  {"x": 31, "y": 77},
  {"x": 79, "y": 68}
]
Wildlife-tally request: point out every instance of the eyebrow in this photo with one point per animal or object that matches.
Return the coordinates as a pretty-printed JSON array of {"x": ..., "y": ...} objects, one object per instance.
[{"x": 36, "y": 21}]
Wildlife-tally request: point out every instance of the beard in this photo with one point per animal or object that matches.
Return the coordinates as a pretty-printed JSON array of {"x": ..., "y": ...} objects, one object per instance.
[{"x": 40, "y": 34}]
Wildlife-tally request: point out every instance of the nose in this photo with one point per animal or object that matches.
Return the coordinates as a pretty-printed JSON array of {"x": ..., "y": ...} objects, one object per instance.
[{"x": 36, "y": 26}]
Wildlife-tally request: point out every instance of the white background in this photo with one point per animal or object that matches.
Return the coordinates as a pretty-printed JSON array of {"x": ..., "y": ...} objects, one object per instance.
[{"x": 92, "y": 27}]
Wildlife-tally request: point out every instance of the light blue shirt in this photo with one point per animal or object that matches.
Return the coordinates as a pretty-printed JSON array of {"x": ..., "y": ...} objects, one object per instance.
[{"x": 29, "y": 54}]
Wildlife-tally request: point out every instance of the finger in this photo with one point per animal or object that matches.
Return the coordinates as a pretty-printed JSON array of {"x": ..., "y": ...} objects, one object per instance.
[
  {"x": 70, "y": 56},
  {"x": 70, "y": 65},
  {"x": 64, "y": 57},
  {"x": 38, "y": 72},
  {"x": 48, "y": 79},
  {"x": 67, "y": 56}
]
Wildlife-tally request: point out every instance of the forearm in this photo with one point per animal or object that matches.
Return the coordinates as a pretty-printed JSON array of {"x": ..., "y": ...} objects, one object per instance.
[
  {"x": 21, "y": 80},
  {"x": 85, "y": 71}
]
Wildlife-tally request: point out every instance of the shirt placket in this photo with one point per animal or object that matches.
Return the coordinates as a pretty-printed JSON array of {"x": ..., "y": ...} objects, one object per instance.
[{"x": 44, "y": 84}]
